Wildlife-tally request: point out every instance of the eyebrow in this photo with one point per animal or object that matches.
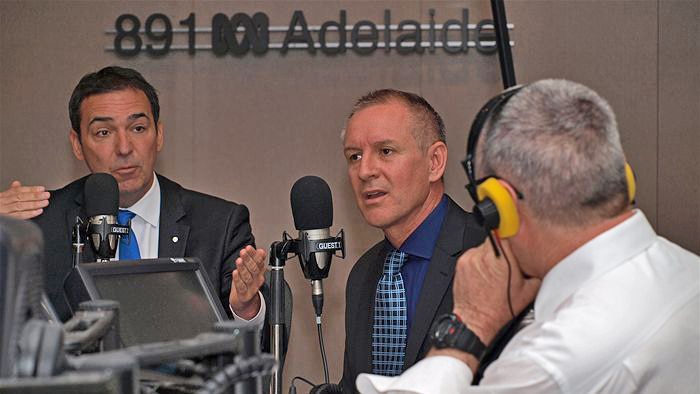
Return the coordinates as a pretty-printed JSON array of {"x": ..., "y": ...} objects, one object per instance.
[
  {"x": 376, "y": 143},
  {"x": 384, "y": 142},
  {"x": 109, "y": 118},
  {"x": 100, "y": 119},
  {"x": 138, "y": 115}
]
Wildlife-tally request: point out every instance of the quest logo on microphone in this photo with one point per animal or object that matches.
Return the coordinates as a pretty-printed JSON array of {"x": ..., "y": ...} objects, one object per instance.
[{"x": 329, "y": 245}]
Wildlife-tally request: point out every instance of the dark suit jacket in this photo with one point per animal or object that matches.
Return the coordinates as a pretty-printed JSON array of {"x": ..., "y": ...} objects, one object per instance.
[
  {"x": 459, "y": 232},
  {"x": 207, "y": 227}
]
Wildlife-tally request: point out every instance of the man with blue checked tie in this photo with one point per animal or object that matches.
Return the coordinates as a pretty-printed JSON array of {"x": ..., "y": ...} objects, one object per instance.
[{"x": 394, "y": 145}]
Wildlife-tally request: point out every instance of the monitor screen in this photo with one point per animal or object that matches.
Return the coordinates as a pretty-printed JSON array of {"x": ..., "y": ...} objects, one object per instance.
[
  {"x": 21, "y": 283},
  {"x": 160, "y": 299}
]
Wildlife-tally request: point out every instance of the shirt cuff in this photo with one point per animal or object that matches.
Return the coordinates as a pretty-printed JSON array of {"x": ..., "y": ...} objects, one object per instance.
[
  {"x": 258, "y": 320},
  {"x": 438, "y": 374}
]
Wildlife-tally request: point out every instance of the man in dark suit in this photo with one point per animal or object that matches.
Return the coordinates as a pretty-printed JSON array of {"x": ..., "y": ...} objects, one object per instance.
[
  {"x": 116, "y": 129},
  {"x": 394, "y": 144}
]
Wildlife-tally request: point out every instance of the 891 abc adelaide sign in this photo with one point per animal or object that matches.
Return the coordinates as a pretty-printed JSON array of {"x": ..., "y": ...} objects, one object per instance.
[{"x": 241, "y": 34}]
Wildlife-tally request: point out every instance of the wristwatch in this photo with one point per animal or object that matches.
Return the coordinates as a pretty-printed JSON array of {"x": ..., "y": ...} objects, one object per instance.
[{"x": 448, "y": 331}]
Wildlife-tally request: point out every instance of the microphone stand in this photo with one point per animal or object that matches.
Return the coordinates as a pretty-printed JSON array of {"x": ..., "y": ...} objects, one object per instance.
[
  {"x": 278, "y": 258},
  {"x": 78, "y": 242},
  {"x": 505, "y": 57}
]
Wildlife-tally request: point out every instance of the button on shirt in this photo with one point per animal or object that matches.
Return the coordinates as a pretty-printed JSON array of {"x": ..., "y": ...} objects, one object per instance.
[
  {"x": 145, "y": 226},
  {"x": 419, "y": 247},
  {"x": 618, "y": 315}
]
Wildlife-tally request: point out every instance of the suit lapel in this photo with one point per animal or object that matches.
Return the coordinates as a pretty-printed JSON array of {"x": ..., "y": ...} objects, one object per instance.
[
  {"x": 365, "y": 318},
  {"x": 437, "y": 280},
  {"x": 173, "y": 232}
]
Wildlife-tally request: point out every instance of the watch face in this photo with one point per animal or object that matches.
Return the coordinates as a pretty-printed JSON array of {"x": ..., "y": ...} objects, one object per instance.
[
  {"x": 447, "y": 327},
  {"x": 443, "y": 331}
]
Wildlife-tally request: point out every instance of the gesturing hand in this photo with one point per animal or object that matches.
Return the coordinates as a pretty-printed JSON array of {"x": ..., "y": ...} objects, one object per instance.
[
  {"x": 247, "y": 278},
  {"x": 23, "y": 202}
]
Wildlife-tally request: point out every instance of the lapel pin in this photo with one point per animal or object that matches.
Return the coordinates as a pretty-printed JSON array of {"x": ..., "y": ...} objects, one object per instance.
[{"x": 175, "y": 239}]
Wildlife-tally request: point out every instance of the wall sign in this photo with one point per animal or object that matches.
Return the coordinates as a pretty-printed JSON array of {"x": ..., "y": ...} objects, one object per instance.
[{"x": 241, "y": 34}]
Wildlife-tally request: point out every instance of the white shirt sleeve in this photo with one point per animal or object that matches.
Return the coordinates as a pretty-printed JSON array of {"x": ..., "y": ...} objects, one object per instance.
[
  {"x": 258, "y": 320},
  {"x": 444, "y": 374},
  {"x": 438, "y": 374}
]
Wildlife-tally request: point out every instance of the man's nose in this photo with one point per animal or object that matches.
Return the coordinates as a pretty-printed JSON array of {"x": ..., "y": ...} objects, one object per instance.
[
  {"x": 124, "y": 144},
  {"x": 367, "y": 168}
]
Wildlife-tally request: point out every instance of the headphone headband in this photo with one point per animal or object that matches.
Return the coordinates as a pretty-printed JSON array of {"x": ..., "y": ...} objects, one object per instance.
[
  {"x": 494, "y": 208},
  {"x": 491, "y": 108}
]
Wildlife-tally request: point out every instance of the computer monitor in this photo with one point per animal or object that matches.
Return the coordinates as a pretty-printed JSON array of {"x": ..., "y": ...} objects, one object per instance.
[
  {"x": 21, "y": 284},
  {"x": 160, "y": 299}
]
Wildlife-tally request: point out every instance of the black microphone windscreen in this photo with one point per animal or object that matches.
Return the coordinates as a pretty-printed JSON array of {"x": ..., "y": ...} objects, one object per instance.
[
  {"x": 101, "y": 195},
  {"x": 312, "y": 204}
]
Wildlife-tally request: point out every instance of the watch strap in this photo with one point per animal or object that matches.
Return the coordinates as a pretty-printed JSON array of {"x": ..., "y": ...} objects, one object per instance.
[{"x": 457, "y": 336}]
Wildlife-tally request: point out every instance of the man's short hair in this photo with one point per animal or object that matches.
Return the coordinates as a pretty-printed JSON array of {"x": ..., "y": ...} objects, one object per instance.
[
  {"x": 557, "y": 142},
  {"x": 110, "y": 79},
  {"x": 428, "y": 126}
]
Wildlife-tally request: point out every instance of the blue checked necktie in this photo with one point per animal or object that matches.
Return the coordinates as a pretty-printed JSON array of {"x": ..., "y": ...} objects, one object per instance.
[
  {"x": 128, "y": 246},
  {"x": 389, "y": 330}
]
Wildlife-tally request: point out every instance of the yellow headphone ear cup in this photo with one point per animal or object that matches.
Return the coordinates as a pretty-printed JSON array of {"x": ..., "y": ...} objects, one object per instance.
[
  {"x": 509, "y": 222},
  {"x": 631, "y": 183}
]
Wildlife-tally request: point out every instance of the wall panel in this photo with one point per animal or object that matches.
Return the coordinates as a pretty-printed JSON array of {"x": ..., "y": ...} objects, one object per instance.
[{"x": 245, "y": 128}]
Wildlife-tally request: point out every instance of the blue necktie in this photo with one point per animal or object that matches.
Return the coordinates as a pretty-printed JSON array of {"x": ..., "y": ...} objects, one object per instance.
[
  {"x": 389, "y": 330},
  {"x": 128, "y": 247}
]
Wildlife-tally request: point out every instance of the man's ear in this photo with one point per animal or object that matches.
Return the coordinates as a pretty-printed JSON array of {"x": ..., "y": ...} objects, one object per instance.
[
  {"x": 76, "y": 145},
  {"x": 437, "y": 154},
  {"x": 160, "y": 131},
  {"x": 511, "y": 190}
]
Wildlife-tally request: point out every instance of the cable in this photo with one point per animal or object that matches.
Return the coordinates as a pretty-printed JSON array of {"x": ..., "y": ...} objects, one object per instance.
[
  {"x": 292, "y": 387},
  {"x": 510, "y": 274},
  {"x": 319, "y": 328},
  {"x": 323, "y": 350}
]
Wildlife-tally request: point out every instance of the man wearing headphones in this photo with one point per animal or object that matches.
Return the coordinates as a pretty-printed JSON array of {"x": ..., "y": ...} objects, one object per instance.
[{"x": 616, "y": 306}]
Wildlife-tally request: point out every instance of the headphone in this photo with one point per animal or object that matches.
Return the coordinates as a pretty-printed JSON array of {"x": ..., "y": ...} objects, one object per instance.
[{"x": 494, "y": 205}]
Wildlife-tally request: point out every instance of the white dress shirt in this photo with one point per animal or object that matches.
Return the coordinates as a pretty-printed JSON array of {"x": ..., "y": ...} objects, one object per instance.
[
  {"x": 146, "y": 222},
  {"x": 618, "y": 315},
  {"x": 145, "y": 227}
]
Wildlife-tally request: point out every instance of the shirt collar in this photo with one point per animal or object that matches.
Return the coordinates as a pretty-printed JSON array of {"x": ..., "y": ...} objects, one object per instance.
[
  {"x": 596, "y": 257},
  {"x": 421, "y": 242},
  {"x": 148, "y": 207}
]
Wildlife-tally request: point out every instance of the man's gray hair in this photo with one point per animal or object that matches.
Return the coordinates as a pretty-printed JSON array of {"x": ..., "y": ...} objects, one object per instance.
[
  {"x": 557, "y": 142},
  {"x": 428, "y": 126}
]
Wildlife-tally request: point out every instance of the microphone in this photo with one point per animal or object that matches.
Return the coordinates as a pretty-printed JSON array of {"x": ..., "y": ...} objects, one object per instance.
[
  {"x": 312, "y": 209},
  {"x": 101, "y": 206}
]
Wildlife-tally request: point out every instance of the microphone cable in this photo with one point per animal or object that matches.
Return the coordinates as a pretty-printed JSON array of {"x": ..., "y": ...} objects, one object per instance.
[
  {"x": 319, "y": 329},
  {"x": 323, "y": 349},
  {"x": 293, "y": 388}
]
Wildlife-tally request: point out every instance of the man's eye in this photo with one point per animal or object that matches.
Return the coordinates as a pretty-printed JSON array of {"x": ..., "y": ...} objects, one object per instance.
[
  {"x": 102, "y": 133},
  {"x": 387, "y": 151},
  {"x": 139, "y": 129},
  {"x": 354, "y": 157}
]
